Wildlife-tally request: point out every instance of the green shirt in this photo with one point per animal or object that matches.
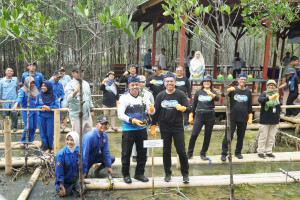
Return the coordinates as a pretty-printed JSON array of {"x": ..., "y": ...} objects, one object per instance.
[
  {"x": 284, "y": 71},
  {"x": 73, "y": 103}
]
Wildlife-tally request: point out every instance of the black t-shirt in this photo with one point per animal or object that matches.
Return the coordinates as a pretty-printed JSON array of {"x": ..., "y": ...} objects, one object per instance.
[
  {"x": 203, "y": 105},
  {"x": 272, "y": 116},
  {"x": 170, "y": 119},
  {"x": 240, "y": 104},
  {"x": 158, "y": 86},
  {"x": 297, "y": 81},
  {"x": 109, "y": 98},
  {"x": 124, "y": 79},
  {"x": 183, "y": 84}
]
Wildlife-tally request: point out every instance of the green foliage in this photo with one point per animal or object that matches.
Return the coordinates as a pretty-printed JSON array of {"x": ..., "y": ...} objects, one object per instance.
[
  {"x": 22, "y": 22},
  {"x": 262, "y": 16}
]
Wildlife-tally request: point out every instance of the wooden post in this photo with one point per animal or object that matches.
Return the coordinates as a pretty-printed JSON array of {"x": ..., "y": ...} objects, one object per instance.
[
  {"x": 56, "y": 130},
  {"x": 25, "y": 193},
  {"x": 275, "y": 56},
  {"x": 8, "y": 155}
]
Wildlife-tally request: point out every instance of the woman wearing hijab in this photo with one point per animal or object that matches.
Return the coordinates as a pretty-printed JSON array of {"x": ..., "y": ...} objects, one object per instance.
[
  {"x": 110, "y": 97},
  {"x": 197, "y": 65},
  {"x": 30, "y": 90},
  {"x": 269, "y": 119},
  {"x": 46, "y": 100},
  {"x": 203, "y": 114},
  {"x": 66, "y": 167}
]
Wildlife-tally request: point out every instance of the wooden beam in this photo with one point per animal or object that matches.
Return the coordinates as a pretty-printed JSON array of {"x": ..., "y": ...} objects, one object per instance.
[
  {"x": 29, "y": 186},
  {"x": 148, "y": 25},
  {"x": 8, "y": 155},
  {"x": 182, "y": 45},
  {"x": 155, "y": 21},
  {"x": 266, "y": 58},
  {"x": 149, "y": 3},
  {"x": 275, "y": 55},
  {"x": 163, "y": 23}
]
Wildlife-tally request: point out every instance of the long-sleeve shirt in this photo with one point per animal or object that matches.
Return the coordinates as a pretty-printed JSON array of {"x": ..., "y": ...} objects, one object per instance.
[
  {"x": 66, "y": 167},
  {"x": 73, "y": 103},
  {"x": 184, "y": 85},
  {"x": 272, "y": 116},
  {"x": 240, "y": 104},
  {"x": 124, "y": 79},
  {"x": 39, "y": 103},
  {"x": 58, "y": 89},
  {"x": 202, "y": 101},
  {"x": 22, "y": 99},
  {"x": 157, "y": 86},
  {"x": 92, "y": 144},
  {"x": 8, "y": 88},
  {"x": 109, "y": 97},
  {"x": 38, "y": 78},
  {"x": 64, "y": 80},
  {"x": 131, "y": 107},
  {"x": 170, "y": 119}
]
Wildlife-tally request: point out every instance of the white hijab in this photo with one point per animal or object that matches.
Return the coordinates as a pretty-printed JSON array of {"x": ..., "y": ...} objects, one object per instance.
[
  {"x": 75, "y": 137},
  {"x": 196, "y": 63}
]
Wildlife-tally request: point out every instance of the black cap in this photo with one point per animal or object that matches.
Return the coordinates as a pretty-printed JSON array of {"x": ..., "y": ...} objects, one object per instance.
[
  {"x": 57, "y": 73},
  {"x": 102, "y": 119},
  {"x": 76, "y": 69},
  {"x": 62, "y": 69}
]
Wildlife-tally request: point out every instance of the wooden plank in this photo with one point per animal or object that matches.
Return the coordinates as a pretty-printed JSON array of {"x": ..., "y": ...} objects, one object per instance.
[
  {"x": 25, "y": 193},
  {"x": 195, "y": 181},
  {"x": 16, "y": 146}
]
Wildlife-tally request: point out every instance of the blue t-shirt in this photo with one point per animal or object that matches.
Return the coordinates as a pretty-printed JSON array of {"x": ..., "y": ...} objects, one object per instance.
[{"x": 146, "y": 58}]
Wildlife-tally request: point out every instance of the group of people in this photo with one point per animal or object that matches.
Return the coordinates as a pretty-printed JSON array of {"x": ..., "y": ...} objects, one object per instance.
[{"x": 165, "y": 103}]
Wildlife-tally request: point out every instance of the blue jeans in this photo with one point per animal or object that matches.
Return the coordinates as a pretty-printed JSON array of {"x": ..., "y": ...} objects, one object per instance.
[{"x": 14, "y": 114}]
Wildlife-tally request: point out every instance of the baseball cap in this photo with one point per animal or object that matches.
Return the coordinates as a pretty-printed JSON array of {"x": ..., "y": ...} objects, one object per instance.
[{"x": 102, "y": 119}]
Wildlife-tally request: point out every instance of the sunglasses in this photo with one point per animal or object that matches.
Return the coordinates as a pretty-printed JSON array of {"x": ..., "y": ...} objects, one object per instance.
[{"x": 155, "y": 70}]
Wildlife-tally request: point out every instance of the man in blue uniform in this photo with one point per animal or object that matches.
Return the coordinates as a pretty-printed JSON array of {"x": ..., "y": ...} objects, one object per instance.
[
  {"x": 58, "y": 88},
  {"x": 131, "y": 110},
  {"x": 8, "y": 92},
  {"x": 92, "y": 143},
  {"x": 38, "y": 77}
]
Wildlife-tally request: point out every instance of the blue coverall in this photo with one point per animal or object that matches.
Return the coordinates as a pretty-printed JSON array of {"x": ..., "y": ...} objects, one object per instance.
[
  {"x": 22, "y": 99},
  {"x": 46, "y": 122},
  {"x": 38, "y": 79},
  {"x": 92, "y": 143},
  {"x": 8, "y": 91},
  {"x": 66, "y": 170}
]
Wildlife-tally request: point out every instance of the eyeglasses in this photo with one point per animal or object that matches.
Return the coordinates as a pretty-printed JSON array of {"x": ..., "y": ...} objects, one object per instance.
[
  {"x": 105, "y": 123},
  {"x": 155, "y": 70}
]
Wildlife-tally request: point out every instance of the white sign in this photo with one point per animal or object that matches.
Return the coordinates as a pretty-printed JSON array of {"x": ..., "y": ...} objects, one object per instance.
[{"x": 153, "y": 143}]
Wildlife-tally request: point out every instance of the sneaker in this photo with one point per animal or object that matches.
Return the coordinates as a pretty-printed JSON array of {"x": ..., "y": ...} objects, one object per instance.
[
  {"x": 239, "y": 156},
  {"x": 203, "y": 157},
  {"x": 261, "y": 155},
  {"x": 127, "y": 179},
  {"x": 186, "y": 179},
  {"x": 189, "y": 156},
  {"x": 223, "y": 158},
  {"x": 168, "y": 177},
  {"x": 141, "y": 178},
  {"x": 186, "y": 126},
  {"x": 134, "y": 159},
  {"x": 270, "y": 155}
]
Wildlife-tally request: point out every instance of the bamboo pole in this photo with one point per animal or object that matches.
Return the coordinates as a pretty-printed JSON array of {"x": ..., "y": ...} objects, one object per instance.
[
  {"x": 25, "y": 193},
  {"x": 56, "y": 130},
  {"x": 8, "y": 155}
]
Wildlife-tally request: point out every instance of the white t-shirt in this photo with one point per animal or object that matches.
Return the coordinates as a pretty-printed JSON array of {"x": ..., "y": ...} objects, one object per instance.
[{"x": 162, "y": 61}]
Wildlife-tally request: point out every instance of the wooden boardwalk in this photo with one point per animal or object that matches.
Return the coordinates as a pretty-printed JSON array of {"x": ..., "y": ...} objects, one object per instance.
[
  {"x": 158, "y": 161},
  {"x": 196, "y": 181}
]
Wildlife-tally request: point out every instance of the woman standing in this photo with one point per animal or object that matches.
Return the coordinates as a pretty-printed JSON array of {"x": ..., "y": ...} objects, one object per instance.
[
  {"x": 269, "y": 119},
  {"x": 66, "y": 167},
  {"x": 110, "y": 97},
  {"x": 203, "y": 111},
  {"x": 197, "y": 65},
  {"x": 46, "y": 100},
  {"x": 30, "y": 90}
]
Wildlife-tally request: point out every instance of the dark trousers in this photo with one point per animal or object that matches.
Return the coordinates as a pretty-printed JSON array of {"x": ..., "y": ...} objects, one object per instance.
[
  {"x": 236, "y": 72},
  {"x": 291, "y": 98},
  {"x": 98, "y": 159},
  {"x": 128, "y": 139},
  {"x": 180, "y": 149},
  {"x": 198, "y": 124},
  {"x": 187, "y": 72},
  {"x": 185, "y": 118},
  {"x": 75, "y": 186},
  {"x": 241, "y": 129}
]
